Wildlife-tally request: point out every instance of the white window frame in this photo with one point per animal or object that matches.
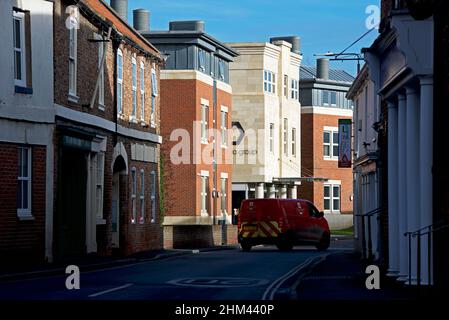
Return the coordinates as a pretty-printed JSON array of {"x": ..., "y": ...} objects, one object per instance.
[
  {"x": 294, "y": 142},
  {"x": 153, "y": 195},
  {"x": 295, "y": 89},
  {"x": 142, "y": 197},
  {"x": 204, "y": 122},
  {"x": 26, "y": 212},
  {"x": 286, "y": 86},
  {"x": 142, "y": 91},
  {"x": 20, "y": 16},
  {"x": 271, "y": 137},
  {"x": 133, "y": 195},
  {"x": 285, "y": 137},
  {"x": 154, "y": 94},
  {"x": 224, "y": 194},
  {"x": 269, "y": 81},
  {"x": 331, "y": 185},
  {"x": 134, "y": 89},
  {"x": 120, "y": 82},
  {"x": 203, "y": 193},
  {"x": 73, "y": 63},
  {"x": 101, "y": 50},
  {"x": 331, "y": 144},
  {"x": 224, "y": 127}
]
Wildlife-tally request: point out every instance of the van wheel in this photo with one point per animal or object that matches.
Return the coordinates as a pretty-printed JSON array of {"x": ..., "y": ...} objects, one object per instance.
[
  {"x": 246, "y": 247},
  {"x": 285, "y": 246},
  {"x": 324, "y": 242}
]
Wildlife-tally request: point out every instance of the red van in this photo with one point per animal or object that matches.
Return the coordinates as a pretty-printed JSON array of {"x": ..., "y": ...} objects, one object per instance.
[{"x": 282, "y": 222}]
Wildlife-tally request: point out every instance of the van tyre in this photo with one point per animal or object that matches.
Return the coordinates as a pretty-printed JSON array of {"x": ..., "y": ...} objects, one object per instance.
[
  {"x": 246, "y": 247},
  {"x": 285, "y": 245},
  {"x": 324, "y": 243}
]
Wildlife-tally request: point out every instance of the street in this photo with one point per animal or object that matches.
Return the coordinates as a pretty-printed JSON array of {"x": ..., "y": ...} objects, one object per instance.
[{"x": 262, "y": 274}]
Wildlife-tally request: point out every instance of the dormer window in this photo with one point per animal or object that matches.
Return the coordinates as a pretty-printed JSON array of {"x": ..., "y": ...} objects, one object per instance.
[{"x": 202, "y": 60}]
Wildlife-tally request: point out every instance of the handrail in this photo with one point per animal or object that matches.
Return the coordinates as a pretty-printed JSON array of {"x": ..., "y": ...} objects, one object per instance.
[
  {"x": 368, "y": 215},
  {"x": 430, "y": 229}
]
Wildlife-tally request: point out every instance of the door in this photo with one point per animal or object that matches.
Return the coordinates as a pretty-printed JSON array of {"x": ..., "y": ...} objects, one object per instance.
[
  {"x": 315, "y": 229},
  {"x": 71, "y": 215},
  {"x": 115, "y": 210}
]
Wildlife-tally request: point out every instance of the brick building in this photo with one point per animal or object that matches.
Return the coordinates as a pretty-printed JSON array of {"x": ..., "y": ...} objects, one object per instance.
[
  {"x": 323, "y": 103},
  {"x": 26, "y": 130},
  {"x": 107, "y": 136},
  {"x": 195, "y": 99}
]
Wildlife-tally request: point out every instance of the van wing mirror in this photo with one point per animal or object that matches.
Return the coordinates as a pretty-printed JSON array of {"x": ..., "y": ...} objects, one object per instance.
[{"x": 321, "y": 214}]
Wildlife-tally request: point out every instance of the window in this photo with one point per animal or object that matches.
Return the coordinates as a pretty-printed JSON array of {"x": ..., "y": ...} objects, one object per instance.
[
  {"x": 101, "y": 50},
  {"x": 142, "y": 91},
  {"x": 119, "y": 82},
  {"x": 133, "y": 195},
  {"x": 134, "y": 88},
  {"x": 224, "y": 128},
  {"x": 204, "y": 122},
  {"x": 154, "y": 93},
  {"x": 330, "y": 143},
  {"x": 325, "y": 98},
  {"x": 269, "y": 82},
  {"x": 99, "y": 184},
  {"x": 332, "y": 197},
  {"x": 272, "y": 137},
  {"x": 286, "y": 86},
  {"x": 286, "y": 137},
  {"x": 295, "y": 90},
  {"x": 142, "y": 197},
  {"x": 224, "y": 195},
  {"x": 24, "y": 183},
  {"x": 221, "y": 70},
  {"x": 333, "y": 98},
  {"x": 153, "y": 195},
  {"x": 294, "y": 142},
  {"x": 73, "y": 60},
  {"x": 202, "y": 60},
  {"x": 204, "y": 194},
  {"x": 19, "y": 49}
]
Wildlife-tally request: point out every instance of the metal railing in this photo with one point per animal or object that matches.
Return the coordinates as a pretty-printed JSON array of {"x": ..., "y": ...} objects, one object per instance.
[
  {"x": 427, "y": 230},
  {"x": 368, "y": 249}
]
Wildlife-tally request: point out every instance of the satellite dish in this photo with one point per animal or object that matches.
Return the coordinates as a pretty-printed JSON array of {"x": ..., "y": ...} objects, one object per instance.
[{"x": 421, "y": 9}]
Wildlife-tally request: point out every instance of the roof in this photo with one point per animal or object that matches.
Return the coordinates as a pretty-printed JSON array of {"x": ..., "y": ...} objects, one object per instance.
[
  {"x": 106, "y": 12},
  {"x": 307, "y": 72}
]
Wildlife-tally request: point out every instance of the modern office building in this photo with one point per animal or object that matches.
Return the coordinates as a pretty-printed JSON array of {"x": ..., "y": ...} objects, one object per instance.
[
  {"x": 266, "y": 114},
  {"x": 322, "y": 93},
  {"x": 196, "y": 109}
]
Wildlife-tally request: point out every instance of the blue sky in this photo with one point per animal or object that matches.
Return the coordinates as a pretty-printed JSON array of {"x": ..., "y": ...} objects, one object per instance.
[{"x": 322, "y": 25}]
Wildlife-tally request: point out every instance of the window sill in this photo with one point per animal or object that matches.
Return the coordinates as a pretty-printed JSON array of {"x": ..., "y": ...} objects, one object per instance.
[
  {"x": 223, "y": 146},
  {"x": 101, "y": 107},
  {"x": 153, "y": 125},
  {"x": 330, "y": 159},
  {"x": 204, "y": 142},
  {"x": 73, "y": 98},
  {"x": 101, "y": 221},
  {"x": 23, "y": 90},
  {"x": 27, "y": 217},
  {"x": 143, "y": 123},
  {"x": 120, "y": 116},
  {"x": 132, "y": 119}
]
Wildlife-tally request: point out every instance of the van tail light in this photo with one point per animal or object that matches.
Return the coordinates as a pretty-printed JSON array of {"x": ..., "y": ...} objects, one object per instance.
[{"x": 282, "y": 223}]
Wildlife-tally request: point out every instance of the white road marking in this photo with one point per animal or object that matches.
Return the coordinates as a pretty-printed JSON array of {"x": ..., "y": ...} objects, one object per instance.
[{"x": 110, "y": 290}]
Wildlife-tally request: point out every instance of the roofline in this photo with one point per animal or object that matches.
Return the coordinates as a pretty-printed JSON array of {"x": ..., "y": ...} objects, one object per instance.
[
  {"x": 196, "y": 34},
  {"x": 358, "y": 82}
]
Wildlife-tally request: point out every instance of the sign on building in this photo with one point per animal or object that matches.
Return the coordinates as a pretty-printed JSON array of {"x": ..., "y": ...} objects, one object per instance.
[{"x": 344, "y": 140}]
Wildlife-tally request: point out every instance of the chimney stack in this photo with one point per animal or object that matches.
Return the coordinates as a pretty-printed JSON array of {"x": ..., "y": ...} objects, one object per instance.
[
  {"x": 322, "y": 68},
  {"x": 295, "y": 41},
  {"x": 141, "y": 20},
  {"x": 121, "y": 7}
]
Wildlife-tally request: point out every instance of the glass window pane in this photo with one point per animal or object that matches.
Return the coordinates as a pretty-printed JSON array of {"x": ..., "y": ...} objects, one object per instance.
[
  {"x": 25, "y": 194},
  {"x": 325, "y": 97},
  {"x": 17, "y": 42},
  {"x": 24, "y": 162},
  {"x": 18, "y": 64},
  {"x": 336, "y": 204},
  {"x": 335, "y": 138},
  {"x": 336, "y": 192},
  {"x": 326, "y": 150},
  {"x": 335, "y": 151},
  {"x": 327, "y": 204},
  {"x": 326, "y": 137},
  {"x": 333, "y": 97},
  {"x": 327, "y": 191}
]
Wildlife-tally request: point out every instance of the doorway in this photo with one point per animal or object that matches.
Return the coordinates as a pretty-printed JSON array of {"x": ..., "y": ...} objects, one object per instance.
[{"x": 118, "y": 179}]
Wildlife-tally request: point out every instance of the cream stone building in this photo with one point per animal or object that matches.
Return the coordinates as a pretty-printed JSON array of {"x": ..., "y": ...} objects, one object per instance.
[{"x": 267, "y": 118}]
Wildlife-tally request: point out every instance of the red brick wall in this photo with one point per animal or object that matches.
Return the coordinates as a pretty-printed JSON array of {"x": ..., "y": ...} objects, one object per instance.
[
  {"x": 180, "y": 107},
  {"x": 21, "y": 241},
  {"x": 312, "y": 159}
]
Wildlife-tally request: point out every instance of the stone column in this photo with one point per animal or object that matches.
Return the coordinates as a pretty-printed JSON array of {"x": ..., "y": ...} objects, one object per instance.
[
  {"x": 272, "y": 191},
  {"x": 413, "y": 189},
  {"x": 292, "y": 192},
  {"x": 393, "y": 234},
  {"x": 283, "y": 192},
  {"x": 402, "y": 187},
  {"x": 425, "y": 170},
  {"x": 260, "y": 191}
]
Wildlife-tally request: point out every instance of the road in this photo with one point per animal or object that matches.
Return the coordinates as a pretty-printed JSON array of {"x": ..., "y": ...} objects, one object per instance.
[{"x": 262, "y": 274}]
